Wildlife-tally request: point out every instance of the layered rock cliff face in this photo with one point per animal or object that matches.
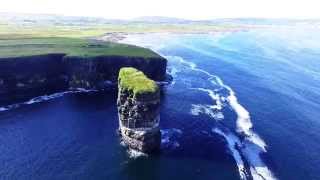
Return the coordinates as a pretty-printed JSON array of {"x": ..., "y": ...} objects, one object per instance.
[
  {"x": 30, "y": 76},
  {"x": 138, "y": 106},
  {"x": 37, "y": 75}
]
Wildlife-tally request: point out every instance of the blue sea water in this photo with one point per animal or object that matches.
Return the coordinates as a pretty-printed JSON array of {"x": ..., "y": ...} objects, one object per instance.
[{"x": 242, "y": 105}]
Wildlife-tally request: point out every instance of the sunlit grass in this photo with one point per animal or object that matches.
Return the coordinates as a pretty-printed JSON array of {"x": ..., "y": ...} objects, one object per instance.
[
  {"x": 135, "y": 81},
  {"x": 13, "y": 45},
  {"x": 76, "y": 40}
]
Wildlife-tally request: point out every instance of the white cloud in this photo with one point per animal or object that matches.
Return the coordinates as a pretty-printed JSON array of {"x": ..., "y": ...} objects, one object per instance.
[{"x": 191, "y": 9}]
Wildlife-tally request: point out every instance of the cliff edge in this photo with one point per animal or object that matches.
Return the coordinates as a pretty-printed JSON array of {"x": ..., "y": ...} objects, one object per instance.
[{"x": 36, "y": 66}]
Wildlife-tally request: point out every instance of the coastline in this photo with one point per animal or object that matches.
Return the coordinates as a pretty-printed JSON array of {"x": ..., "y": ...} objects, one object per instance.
[{"x": 244, "y": 143}]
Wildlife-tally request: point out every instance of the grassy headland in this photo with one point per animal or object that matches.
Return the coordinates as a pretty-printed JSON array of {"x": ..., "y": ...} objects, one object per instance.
[
  {"x": 13, "y": 45},
  {"x": 27, "y": 34}
]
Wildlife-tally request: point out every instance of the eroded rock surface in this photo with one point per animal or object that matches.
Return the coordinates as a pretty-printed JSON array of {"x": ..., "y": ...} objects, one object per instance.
[{"x": 138, "y": 106}]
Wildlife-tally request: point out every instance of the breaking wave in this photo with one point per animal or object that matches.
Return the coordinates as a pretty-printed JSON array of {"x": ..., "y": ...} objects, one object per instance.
[
  {"x": 250, "y": 146},
  {"x": 246, "y": 149},
  {"x": 210, "y": 110},
  {"x": 233, "y": 141},
  {"x": 43, "y": 98}
]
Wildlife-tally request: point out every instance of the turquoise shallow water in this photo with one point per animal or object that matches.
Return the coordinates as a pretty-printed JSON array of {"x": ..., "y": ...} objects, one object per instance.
[{"x": 242, "y": 105}]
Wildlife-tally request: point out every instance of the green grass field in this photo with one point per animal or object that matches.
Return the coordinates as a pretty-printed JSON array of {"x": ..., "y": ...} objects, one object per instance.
[
  {"x": 12, "y": 45},
  {"x": 100, "y": 29},
  {"x": 23, "y": 39},
  {"x": 26, "y": 40}
]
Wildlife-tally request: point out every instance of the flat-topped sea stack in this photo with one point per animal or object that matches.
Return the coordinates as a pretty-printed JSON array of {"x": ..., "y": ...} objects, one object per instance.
[{"x": 139, "y": 109}]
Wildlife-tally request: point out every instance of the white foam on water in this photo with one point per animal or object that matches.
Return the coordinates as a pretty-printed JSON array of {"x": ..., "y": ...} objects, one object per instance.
[
  {"x": 210, "y": 110},
  {"x": 251, "y": 152},
  {"x": 214, "y": 96},
  {"x": 43, "y": 98},
  {"x": 252, "y": 145},
  {"x": 46, "y": 97},
  {"x": 233, "y": 142},
  {"x": 3, "y": 109},
  {"x": 173, "y": 71},
  {"x": 258, "y": 169},
  {"x": 178, "y": 59},
  {"x": 134, "y": 154},
  {"x": 244, "y": 124}
]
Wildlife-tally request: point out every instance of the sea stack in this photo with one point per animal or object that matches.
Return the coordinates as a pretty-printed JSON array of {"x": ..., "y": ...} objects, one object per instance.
[{"x": 138, "y": 108}]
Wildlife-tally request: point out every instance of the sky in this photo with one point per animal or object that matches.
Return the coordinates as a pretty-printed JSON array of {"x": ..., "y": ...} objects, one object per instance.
[{"x": 187, "y": 9}]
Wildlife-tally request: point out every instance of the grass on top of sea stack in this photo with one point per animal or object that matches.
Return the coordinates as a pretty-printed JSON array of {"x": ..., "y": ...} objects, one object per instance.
[{"x": 136, "y": 81}]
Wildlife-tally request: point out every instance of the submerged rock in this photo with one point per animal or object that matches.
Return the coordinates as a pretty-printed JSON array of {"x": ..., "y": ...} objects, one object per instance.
[{"x": 138, "y": 107}]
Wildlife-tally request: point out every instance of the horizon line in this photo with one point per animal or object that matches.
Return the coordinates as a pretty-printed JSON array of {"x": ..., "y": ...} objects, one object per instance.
[{"x": 169, "y": 17}]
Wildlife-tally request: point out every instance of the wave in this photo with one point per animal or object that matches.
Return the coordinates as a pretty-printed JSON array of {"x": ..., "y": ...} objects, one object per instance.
[
  {"x": 233, "y": 141},
  {"x": 244, "y": 124},
  {"x": 43, "y": 98},
  {"x": 210, "y": 110},
  {"x": 251, "y": 152},
  {"x": 251, "y": 146},
  {"x": 258, "y": 168},
  {"x": 215, "y": 97}
]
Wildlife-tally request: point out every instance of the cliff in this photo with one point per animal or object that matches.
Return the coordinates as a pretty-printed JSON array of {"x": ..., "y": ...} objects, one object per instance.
[
  {"x": 29, "y": 76},
  {"x": 138, "y": 107},
  {"x": 36, "y": 65},
  {"x": 92, "y": 72}
]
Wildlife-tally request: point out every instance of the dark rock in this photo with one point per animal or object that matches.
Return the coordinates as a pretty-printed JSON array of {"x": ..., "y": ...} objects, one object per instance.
[
  {"x": 139, "y": 119},
  {"x": 42, "y": 74}
]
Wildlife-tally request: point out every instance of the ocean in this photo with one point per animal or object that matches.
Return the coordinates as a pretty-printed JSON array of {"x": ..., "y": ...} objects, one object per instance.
[{"x": 241, "y": 105}]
